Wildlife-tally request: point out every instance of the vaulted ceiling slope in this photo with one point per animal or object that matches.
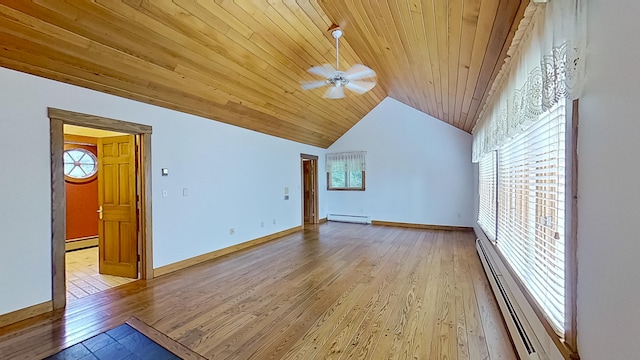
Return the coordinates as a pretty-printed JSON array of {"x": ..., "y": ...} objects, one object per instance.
[{"x": 241, "y": 61}]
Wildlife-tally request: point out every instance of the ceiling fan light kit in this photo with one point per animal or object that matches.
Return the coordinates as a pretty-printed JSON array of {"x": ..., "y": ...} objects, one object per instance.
[{"x": 339, "y": 80}]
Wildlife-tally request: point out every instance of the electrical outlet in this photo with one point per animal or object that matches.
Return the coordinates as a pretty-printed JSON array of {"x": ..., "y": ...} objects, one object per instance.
[
  {"x": 261, "y": 224},
  {"x": 165, "y": 193},
  {"x": 232, "y": 231},
  {"x": 274, "y": 221}
]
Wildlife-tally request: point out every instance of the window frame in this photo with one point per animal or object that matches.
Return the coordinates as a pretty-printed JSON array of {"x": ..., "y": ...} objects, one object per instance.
[
  {"x": 346, "y": 163},
  {"x": 80, "y": 180}
]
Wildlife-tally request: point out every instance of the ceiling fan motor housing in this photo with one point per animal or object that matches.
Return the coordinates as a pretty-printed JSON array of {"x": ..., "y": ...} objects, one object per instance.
[{"x": 338, "y": 79}]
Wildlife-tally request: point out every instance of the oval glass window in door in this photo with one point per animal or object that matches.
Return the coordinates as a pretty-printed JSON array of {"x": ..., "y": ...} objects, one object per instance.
[{"x": 79, "y": 163}]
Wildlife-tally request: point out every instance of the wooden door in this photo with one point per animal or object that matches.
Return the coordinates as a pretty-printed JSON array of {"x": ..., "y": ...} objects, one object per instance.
[
  {"x": 309, "y": 183},
  {"x": 306, "y": 167},
  {"x": 117, "y": 197}
]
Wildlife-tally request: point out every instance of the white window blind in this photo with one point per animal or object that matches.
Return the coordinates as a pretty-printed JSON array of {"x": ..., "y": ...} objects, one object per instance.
[
  {"x": 487, "y": 190},
  {"x": 346, "y": 161},
  {"x": 531, "y": 209}
]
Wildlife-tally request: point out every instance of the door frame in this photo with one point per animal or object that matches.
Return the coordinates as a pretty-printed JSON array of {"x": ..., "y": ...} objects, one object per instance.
[
  {"x": 314, "y": 161},
  {"x": 58, "y": 118}
]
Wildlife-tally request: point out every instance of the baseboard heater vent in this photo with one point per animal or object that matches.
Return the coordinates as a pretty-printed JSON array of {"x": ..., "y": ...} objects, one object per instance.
[
  {"x": 517, "y": 329},
  {"x": 359, "y": 219}
]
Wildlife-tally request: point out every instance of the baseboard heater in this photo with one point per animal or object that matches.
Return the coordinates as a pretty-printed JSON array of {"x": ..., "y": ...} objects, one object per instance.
[
  {"x": 518, "y": 330},
  {"x": 358, "y": 219}
]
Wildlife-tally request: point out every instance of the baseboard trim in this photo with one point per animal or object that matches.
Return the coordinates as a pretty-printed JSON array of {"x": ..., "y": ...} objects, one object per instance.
[
  {"x": 421, "y": 226},
  {"x": 163, "y": 270},
  {"x": 81, "y": 243},
  {"x": 323, "y": 220},
  {"x": 28, "y": 312}
]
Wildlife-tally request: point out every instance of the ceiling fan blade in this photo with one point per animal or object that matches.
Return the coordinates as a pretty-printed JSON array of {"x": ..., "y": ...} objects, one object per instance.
[
  {"x": 308, "y": 85},
  {"x": 359, "y": 71},
  {"x": 324, "y": 70},
  {"x": 334, "y": 92},
  {"x": 360, "y": 87}
]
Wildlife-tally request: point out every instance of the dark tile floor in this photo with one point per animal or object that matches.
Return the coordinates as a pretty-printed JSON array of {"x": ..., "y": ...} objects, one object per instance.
[{"x": 120, "y": 343}]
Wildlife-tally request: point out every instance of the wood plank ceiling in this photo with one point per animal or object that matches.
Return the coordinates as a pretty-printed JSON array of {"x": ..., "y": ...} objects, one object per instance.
[{"x": 241, "y": 62}]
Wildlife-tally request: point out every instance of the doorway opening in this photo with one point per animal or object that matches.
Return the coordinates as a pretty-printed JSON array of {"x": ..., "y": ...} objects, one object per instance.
[
  {"x": 86, "y": 246},
  {"x": 309, "y": 169},
  {"x": 101, "y": 204}
]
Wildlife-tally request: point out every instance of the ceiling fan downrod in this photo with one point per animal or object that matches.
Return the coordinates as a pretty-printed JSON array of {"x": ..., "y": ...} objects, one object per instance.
[{"x": 337, "y": 34}]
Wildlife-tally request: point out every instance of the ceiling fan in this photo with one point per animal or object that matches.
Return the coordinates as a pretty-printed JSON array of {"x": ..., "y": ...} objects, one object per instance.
[{"x": 338, "y": 80}]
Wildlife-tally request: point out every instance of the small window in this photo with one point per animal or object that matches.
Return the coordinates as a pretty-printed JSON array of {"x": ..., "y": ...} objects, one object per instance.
[
  {"x": 346, "y": 171},
  {"x": 79, "y": 164}
]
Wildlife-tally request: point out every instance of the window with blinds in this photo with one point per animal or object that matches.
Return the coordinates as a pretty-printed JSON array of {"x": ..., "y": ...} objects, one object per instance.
[
  {"x": 346, "y": 170},
  {"x": 487, "y": 191},
  {"x": 531, "y": 209}
]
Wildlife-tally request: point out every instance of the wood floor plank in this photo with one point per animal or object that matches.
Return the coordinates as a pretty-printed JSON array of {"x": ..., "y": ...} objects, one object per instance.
[
  {"x": 443, "y": 333},
  {"x": 459, "y": 287},
  {"x": 340, "y": 291},
  {"x": 344, "y": 325},
  {"x": 475, "y": 333},
  {"x": 398, "y": 324}
]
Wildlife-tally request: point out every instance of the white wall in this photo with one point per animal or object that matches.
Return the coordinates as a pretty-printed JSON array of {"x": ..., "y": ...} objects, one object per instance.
[
  {"x": 609, "y": 192},
  {"x": 418, "y": 168},
  {"x": 235, "y": 178}
]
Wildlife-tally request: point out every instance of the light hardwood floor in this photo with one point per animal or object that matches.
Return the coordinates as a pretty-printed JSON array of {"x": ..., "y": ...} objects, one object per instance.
[
  {"x": 341, "y": 291},
  {"x": 83, "y": 278}
]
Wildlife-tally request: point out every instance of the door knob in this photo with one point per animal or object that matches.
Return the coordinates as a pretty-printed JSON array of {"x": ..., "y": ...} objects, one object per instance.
[{"x": 99, "y": 211}]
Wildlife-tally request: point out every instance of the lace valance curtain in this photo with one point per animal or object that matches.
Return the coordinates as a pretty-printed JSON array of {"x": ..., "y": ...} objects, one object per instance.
[
  {"x": 346, "y": 161},
  {"x": 546, "y": 65}
]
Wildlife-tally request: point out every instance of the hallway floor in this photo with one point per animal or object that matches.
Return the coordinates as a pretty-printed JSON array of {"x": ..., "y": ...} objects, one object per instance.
[{"x": 83, "y": 278}]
